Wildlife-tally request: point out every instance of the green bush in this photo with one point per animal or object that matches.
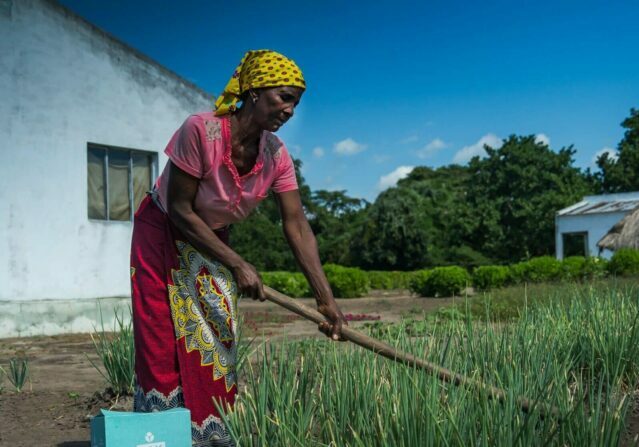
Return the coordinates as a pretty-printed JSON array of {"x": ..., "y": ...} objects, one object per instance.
[
  {"x": 448, "y": 281},
  {"x": 381, "y": 280},
  {"x": 346, "y": 282},
  {"x": 572, "y": 267},
  {"x": 417, "y": 283},
  {"x": 543, "y": 268},
  {"x": 490, "y": 277},
  {"x": 402, "y": 279},
  {"x": 594, "y": 268},
  {"x": 440, "y": 281},
  {"x": 624, "y": 261},
  {"x": 289, "y": 283},
  {"x": 517, "y": 272},
  {"x": 579, "y": 268}
]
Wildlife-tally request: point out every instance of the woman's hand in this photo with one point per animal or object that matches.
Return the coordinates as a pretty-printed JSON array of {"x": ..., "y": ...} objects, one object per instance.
[
  {"x": 333, "y": 327},
  {"x": 249, "y": 281}
]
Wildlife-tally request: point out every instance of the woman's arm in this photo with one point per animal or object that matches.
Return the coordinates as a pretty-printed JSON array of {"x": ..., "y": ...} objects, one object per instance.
[
  {"x": 182, "y": 189},
  {"x": 302, "y": 241}
]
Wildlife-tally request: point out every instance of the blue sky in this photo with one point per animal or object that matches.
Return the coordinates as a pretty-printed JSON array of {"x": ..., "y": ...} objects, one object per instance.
[{"x": 395, "y": 84}]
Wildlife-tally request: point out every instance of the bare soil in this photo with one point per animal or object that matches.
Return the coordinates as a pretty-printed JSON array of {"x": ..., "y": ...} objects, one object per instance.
[{"x": 65, "y": 390}]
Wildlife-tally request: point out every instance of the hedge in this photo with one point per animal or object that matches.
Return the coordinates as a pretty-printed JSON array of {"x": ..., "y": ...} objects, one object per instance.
[
  {"x": 346, "y": 282},
  {"x": 624, "y": 261},
  {"x": 289, "y": 283},
  {"x": 440, "y": 281},
  {"x": 572, "y": 267},
  {"x": 541, "y": 269},
  {"x": 380, "y": 280},
  {"x": 490, "y": 277},
  {"x": 579, "y": 268},
  {"x": 418, "y": 281}
]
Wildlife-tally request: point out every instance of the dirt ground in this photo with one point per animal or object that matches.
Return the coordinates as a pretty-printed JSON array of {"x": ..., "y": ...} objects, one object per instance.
[{"x": 65, "y": 389}]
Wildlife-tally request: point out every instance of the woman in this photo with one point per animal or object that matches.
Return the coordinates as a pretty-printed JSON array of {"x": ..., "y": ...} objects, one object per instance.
[{"x": 185, "y": 278}]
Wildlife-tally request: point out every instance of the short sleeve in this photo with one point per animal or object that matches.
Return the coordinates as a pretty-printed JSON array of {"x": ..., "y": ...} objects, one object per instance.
[
  {"x": 185, "y": 149},
  {"x": 285, "y": 179}
]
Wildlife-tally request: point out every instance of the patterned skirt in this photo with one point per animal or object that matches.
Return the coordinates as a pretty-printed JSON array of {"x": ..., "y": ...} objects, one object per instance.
[{"x": 184, "y": 320}]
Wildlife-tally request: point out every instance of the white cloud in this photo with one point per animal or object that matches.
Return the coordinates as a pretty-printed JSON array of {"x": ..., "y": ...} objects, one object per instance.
[
  {"x": 542, "y": 138},
  {"x": 606, "y": 150},
  {"x": 318, "y": 152},
  {"x": 391, "y": 179},
  {"x": 296, "y": 149},
  {"x": 466, "y": 153},
  {"x": 432, "y": 147},
  {"x": 348, "y": 147}
]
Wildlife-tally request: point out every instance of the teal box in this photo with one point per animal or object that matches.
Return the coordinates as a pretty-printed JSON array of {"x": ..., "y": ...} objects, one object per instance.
[{"x": 171, "y": 428}]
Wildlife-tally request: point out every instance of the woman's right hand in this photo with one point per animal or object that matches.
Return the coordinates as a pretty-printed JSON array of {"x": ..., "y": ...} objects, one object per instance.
[{"x": 249, "y": 281}]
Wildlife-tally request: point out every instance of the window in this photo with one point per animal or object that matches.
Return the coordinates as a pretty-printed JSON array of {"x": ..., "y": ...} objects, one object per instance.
[
  {"x": 118, "y": 179},
  {"x": 575, "y": 244}
]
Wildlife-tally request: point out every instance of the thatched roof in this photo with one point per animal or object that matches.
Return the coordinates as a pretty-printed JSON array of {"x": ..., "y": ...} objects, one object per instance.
[{"x": 623, "y": 234}]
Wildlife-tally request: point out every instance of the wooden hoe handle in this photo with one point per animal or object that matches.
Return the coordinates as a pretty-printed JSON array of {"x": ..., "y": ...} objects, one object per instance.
[{"x": 389, "y": 352}]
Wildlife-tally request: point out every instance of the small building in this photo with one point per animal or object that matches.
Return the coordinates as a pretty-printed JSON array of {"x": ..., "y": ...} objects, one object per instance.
[
  {"x": 85, "y": 120},
  {"x": 581, "y": 227}
]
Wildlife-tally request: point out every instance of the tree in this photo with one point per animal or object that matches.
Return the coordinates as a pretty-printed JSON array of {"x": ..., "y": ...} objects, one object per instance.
[
  {"x": 334, "y": 220},
  {"x": 514, "y": 193},
  {"x": 444, "y": 192},
  {"x": 396, "y": 233},
  {"x": 622, "y": 174}
]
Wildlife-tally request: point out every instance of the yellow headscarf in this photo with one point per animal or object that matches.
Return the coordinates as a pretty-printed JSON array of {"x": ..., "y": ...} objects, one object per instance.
[{"x": 259, "y": 68}]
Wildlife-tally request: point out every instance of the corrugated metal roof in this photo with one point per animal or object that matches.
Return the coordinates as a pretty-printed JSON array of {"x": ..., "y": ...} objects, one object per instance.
[
  {"x": 607, "y": 203},
  {"x": 602, "y": 207}
]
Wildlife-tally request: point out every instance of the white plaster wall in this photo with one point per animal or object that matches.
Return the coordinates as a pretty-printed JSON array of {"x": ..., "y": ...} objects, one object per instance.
[
  {"x": 52, "y": 317},
  {"x": 596, "y": 225},
  {"x": 62, "y": 84}
]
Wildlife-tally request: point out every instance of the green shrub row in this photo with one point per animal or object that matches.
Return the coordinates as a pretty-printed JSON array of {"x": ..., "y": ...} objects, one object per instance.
[
  {"x": 289, "y": 283},
  {"x": 625, "y": 261},
  {"x": 440, "y": 281},
  {"x": 380, "y": 280},
  {"x": 348, "y": 282},
  {"x": 536, "y": 270}
]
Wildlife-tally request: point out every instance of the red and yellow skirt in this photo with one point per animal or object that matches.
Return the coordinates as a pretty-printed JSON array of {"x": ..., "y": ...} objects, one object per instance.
[{"x": 185, "y": 326}]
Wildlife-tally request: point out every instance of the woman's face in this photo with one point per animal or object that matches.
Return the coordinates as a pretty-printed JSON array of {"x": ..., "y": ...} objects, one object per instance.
[{"x": 275, "y": 106}]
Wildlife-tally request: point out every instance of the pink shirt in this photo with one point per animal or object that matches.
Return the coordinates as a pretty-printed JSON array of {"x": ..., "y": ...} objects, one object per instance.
[{"x": 202, "y": 148}]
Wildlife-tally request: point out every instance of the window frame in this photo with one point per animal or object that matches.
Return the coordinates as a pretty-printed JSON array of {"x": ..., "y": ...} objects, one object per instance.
[
  {"x": 130, "y": 151},
  {"x": 571, "y": 234}
]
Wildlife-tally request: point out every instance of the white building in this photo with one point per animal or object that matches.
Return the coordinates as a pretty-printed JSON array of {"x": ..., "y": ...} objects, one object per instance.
[
  {"x": 579, "y": 227},
  {"x": 85, "y": 119}
]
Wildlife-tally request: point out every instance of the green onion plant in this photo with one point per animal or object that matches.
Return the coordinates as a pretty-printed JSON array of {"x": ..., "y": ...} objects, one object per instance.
[
  {"x": 116, "y": 352},
  {"x": 579, "y": 354},
  {"x": 17, "y": 373}
]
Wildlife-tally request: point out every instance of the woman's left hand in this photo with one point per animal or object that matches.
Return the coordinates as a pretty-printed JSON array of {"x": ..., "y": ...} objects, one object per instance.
[{"x": 333, "y": 327}]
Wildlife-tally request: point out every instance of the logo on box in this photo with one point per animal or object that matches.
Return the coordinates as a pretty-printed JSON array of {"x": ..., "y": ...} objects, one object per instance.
[{"x": 149, "y": 438}]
